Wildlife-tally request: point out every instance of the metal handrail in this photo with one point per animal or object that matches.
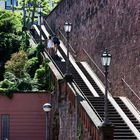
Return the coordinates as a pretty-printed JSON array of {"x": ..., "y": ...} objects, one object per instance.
[
  {"x": 88, "y": 101},
  {"x": 95, "y": 64},
  {"x": 45, "y": 51},
  {"x": 130, "y": 88},
  {"x": 66, "y": 40},
  {"x": 49, "y": 27},
  {"x": 32, "y": 38}
]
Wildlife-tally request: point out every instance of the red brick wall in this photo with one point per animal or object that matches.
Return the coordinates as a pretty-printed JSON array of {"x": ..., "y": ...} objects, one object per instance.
[
  {"x": 27, "y": 119},
  {"x": 114, "y": 25}
]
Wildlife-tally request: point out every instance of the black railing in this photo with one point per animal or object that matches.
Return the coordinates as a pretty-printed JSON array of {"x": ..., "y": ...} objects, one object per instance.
[
  {"x": 51, "y": 32},
  {"x": 92, "y": 62},
  {"x": 134, "y": 93}
]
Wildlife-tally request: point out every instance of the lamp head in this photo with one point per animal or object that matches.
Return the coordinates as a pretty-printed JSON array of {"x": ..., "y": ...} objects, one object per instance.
[
  {"x": 67, "y": 27},
  {"x": 47, "y": 107},
  {"x": 106, "y": 58}
]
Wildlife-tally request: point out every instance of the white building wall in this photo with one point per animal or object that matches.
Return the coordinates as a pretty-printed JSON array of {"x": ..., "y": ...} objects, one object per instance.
[{"x": 2, "y": 4}]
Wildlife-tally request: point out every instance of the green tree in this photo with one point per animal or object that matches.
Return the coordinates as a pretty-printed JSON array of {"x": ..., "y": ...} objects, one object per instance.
[
  {"x": 10, "y": 22},
  {"x": 32, "y": 7},
  {"x": 42, "y": 77},
  {"x": 10, "y": 39},
  {"x": 16, "y": 64},
  {"x": 31, "y": 66}
]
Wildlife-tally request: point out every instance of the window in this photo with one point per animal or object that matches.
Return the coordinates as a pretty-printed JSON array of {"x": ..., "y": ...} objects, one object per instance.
[
  {"x": 5, "y": 127},
  {"x": 9, "y": 3}
]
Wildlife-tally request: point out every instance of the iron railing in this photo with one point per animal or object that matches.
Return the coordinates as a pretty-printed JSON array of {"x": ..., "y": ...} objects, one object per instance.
[{"x": 134, "y": 93}]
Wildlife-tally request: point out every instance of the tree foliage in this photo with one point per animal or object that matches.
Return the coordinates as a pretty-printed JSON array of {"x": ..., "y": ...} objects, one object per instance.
[
  {"x": 22, "y": 71},
  {"x": 32, "y": 7},
  {"x": 16, "y": 64},
  {"x": 26, "y": 74},
  {"x": 31, "y": 66},
  {"x": 10, "y": 39},
  {"x": 10, "y": 22},
  {"x": 43, "y": 78}
]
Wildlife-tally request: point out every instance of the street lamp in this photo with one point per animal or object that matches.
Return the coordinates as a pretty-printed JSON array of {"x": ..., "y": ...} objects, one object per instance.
[
  {"x": 47, "y": 108},
  {"x": 24, "y": 28},
  {"x": 106, "y": 58},
  {"x": 67, "y": 28},
  {"x": 40, "y": 20}
]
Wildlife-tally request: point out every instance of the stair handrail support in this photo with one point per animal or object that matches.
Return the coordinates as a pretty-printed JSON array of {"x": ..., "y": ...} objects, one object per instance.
[
  {"x": 132, "y": 91},
  {"x": 95, "y": 64},
  {"x": 131, "y": 107}
]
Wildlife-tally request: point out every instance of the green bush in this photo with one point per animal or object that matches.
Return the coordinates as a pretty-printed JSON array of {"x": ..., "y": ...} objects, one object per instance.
[
  {"x": 25, "y": 83},
  {"x": 40, "y": 78},
  {"x": 6, "y": 84},
  {"x": 7, "y": 87},
  {"x": 31, "y": 52},
  {"x": 43, "y": 77},
  {"x": 31, "y": 65},
  {"x": 24, "y": 86},
  {"x": 10, "y": 76},
  {"x": 16, "y": 64},
  {"x": 3, "y": 90},
  {"x": 10, "y": 22}
]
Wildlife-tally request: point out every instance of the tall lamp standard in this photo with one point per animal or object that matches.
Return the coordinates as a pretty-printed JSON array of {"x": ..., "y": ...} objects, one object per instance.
[
  {"x": 67, "y": 28},
  {"x": 24, "y": 17},
  {"x": 12, "y": 6},
  {"x": 40, "y": 17},
  {"x": 24, "y": 28},
  {"x": 47, "y": 108},
  {"x": 106, "y": 59}
]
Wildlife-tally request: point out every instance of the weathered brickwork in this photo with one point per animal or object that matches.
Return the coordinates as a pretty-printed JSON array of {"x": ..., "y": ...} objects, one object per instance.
[{"x": 99, "y": 24}]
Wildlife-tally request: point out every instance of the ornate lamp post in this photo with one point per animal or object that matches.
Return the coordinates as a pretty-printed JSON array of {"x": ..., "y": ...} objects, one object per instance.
[
  {"x": 106, "y": 58},
  {"x": 40, "y": 20},
  {"x": 67, "y": 28},
  {"x": 47, "y": 108},
  {"x": 24, "y": 28}
]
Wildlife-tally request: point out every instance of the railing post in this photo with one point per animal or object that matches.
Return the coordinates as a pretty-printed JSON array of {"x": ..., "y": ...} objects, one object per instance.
[{"x": 106, "y": 132}]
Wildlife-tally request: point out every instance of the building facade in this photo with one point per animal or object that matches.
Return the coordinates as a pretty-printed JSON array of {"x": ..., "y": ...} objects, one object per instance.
[
  {"x": 8, "y": 4},
  {"x": 22, "y": 117}
]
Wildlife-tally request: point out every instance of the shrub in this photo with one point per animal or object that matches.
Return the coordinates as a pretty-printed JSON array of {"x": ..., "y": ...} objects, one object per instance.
[
  {"x": 31, "y": 65},
  {"x": 31, "y": 52},
  {"x": 16, "y": 64},
  {"x": 9, "y": 22},
  {"x": 10, "y": 76},
  {"x": 24, "y": 86},
  {"x": 6, "y": 83},
  {"x": 43, "y": 77},
  {"x": 40, "y": 78}
]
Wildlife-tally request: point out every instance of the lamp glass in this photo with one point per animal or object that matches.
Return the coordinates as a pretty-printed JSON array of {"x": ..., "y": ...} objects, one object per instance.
[
  {"x": 40, "y": 9},
  {"x": 67, "y": 27},
  {"x": 106, "y": 58},
  {"x": 47, "y": 107}
]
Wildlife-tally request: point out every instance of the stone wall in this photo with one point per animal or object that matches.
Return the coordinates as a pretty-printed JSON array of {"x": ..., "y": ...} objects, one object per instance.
[{"x": 99, "y": 24}]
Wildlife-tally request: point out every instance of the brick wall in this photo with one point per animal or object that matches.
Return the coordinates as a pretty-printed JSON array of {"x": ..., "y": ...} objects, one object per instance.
[
  {"x": 26, "y": 117},
  {"x": 99, "y": 24}
]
